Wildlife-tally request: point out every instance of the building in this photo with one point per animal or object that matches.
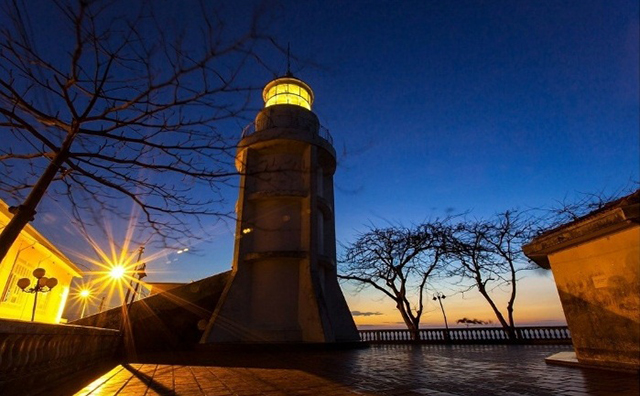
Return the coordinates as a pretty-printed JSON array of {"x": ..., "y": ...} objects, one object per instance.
[
  {"x": 284, "y": 285},
  {"x": 596, "y": 265},
  {"x": 30, "y": 251}
]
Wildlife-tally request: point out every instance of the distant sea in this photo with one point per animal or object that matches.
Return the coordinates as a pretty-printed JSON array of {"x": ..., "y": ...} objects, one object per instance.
[{"x": 401, "y": 326}]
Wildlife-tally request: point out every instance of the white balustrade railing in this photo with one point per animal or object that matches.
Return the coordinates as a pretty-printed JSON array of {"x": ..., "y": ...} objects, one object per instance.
[{"x": 479, "y": 335}]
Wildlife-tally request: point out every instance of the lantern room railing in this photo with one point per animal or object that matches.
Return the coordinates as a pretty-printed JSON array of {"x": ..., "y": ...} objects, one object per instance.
[{"x": 322, "y": 132}]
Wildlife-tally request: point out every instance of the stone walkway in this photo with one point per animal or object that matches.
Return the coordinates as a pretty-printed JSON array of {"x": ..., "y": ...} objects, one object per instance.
[{"x": 380, "y": 370}]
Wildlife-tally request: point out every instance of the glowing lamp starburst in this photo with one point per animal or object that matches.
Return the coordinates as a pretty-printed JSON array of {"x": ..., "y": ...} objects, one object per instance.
[{"x": 117, "y": 272}]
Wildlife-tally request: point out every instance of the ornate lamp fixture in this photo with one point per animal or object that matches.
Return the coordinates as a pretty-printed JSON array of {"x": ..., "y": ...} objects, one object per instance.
[{"x": 43, "y": 285}]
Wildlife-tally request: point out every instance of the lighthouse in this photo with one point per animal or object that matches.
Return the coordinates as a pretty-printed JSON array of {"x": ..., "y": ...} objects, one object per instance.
[{"x": 284, "y": 286}]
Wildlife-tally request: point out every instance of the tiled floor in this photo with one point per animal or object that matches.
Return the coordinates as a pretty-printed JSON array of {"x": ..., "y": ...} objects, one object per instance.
[{"x": 379, "y": 370}]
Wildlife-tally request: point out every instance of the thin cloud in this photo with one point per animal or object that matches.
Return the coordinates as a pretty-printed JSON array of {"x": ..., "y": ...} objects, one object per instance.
[{"x": 358, "y": 313}]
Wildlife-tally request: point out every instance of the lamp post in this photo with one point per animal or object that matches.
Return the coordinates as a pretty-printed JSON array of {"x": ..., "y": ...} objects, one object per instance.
[
  {"x": 43, "y": 285},
  {"x": 126, "y": 298},
  {"x": 101, "y": 304},
  {"x": 125, "y": 327},
  {"x": 439, "y": 296},
  {"x": 140, "y": 271}
]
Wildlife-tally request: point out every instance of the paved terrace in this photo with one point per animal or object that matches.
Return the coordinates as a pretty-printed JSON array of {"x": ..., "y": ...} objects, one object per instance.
[{"x": 436, "y": 370}]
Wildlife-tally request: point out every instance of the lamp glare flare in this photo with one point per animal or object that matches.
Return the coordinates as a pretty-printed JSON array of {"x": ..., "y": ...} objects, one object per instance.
[
  {"x": 119, "y": 267},
  {"x": 117, "y": 271}
]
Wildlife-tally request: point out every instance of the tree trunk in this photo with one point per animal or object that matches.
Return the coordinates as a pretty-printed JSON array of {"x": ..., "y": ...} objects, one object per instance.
[
  {"x": 511, "y": 334},
  {"x": 24, "y": 213},
  {"x": 512, "y": 299},
  {"x": 414, "y": 328}
]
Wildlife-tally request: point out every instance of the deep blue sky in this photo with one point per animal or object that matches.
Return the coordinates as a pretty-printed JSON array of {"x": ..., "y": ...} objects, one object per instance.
[
  {"x": 439, "y": 106},
  {"x": 470, "y": 105},
  {"x": 483, "y": 106}
]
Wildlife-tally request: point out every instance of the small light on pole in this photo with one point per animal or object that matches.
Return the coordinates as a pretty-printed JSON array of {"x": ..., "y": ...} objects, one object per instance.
[
  {"x": 43, "y": 285},
  {"x": 439, "y": 297}
]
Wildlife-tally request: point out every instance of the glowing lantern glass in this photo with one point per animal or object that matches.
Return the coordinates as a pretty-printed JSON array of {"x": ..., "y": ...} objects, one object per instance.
[{"x": 288, "y": 90}]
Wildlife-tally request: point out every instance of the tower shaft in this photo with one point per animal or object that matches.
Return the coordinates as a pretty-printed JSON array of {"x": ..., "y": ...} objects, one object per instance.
[{"x": 284, "y": 285}]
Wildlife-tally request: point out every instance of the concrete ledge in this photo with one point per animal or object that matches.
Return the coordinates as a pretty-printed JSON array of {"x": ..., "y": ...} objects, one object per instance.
[
  {"x": 15, "y": 327},
  {"x": 34, "y": 356},
  {"x": 570, "y": 359}
]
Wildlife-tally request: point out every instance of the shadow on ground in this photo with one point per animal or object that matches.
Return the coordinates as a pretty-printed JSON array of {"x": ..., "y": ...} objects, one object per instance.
[{"x": 498, "y": 370}]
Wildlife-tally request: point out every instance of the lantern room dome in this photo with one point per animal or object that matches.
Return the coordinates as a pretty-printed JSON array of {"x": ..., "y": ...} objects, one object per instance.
[{"x": 287, "y": 90}]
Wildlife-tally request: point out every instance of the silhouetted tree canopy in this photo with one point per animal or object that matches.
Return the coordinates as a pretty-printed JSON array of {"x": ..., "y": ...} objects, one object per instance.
[
  {"x": 123, "y": 104},
  {"x": 569, "y": 209},
  {"x": 486, "y": 255},
  {"x": 397, "y": 261}
]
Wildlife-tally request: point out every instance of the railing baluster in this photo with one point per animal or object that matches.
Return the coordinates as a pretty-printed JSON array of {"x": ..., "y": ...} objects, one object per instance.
[
  {"x": 34, "y": 350},
  {"x": 552, "y": 334}
]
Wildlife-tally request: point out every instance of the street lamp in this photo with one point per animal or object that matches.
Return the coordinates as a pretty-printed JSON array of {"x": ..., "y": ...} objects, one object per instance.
[
  {"x": 43, "y": 285},
  {"x": 439, "y": 296}
]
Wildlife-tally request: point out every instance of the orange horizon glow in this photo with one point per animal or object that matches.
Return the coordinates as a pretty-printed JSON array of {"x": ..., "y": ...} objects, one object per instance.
[{"x": 537, "y": 303}]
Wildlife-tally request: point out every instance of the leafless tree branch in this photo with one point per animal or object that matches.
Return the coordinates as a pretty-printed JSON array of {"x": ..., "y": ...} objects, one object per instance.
[{"x": 130, "y": 110}]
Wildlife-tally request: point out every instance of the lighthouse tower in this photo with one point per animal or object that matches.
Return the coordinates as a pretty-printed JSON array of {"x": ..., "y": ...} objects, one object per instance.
[{"x": 284, "y": 285}]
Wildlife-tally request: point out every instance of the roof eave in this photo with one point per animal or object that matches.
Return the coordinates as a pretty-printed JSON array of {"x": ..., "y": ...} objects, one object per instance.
[{"x": 564, "y": 237}]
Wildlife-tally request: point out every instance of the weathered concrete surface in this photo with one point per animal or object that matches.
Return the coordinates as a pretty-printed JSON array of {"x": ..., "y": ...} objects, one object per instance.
[
  {"x": 168, "y": 320},
  {"x": 596, "y": 265},
  {"x": 34, "y": 356},
  {"x": 379, "y": 370}
]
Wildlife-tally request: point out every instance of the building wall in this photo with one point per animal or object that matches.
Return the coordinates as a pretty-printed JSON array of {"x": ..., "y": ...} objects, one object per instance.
[
  {"x": 169, "y": 320},
  {"x": 27, "y": 254},
  {"x": 599, "y": 286}
]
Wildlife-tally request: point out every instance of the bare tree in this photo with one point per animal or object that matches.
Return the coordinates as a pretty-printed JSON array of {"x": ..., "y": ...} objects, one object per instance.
[
  {"x": 570, "y": 209},
  {"x": 126, "y": 107},
  {"x": 397, "y": 261},
  {"x": 487, "y": 255}
]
